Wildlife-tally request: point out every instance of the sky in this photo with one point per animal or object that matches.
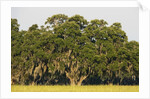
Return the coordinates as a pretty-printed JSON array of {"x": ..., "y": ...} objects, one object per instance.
[{"x": 127, "y": 16}]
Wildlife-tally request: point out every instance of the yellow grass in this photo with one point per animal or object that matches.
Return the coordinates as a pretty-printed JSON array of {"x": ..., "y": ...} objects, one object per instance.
[{"x": 89, "y": 88}]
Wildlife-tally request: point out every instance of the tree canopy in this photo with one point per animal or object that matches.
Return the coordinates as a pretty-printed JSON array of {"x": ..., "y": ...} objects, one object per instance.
[{"x": 73, "y": 51}]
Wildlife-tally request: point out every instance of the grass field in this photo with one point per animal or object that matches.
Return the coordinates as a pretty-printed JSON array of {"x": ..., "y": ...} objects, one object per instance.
[{"x": 89, "y": 88}]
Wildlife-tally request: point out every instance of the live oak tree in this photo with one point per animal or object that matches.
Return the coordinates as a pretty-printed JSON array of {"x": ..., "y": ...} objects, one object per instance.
[
  {"x": 71, "y": 50},
  {"x": 16, "y": 41},
  {"x": 72, "y": 45}
]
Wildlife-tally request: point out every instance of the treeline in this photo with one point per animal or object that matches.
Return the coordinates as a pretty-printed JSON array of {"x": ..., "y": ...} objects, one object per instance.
[{"x": 72, "y": 51}]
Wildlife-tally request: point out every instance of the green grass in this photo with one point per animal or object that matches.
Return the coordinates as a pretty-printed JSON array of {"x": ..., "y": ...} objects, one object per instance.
[{"x": 89, "y": 88}]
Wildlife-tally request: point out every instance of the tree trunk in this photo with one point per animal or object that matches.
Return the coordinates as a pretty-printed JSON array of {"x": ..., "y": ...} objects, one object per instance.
[
  {"x": 110, "y": 83},
  {"x": 121, "y": 79},
  {"x": 33, "y": 83},
  {"x": 72, "y": 82},
  {"x": 81, "y": 80}
]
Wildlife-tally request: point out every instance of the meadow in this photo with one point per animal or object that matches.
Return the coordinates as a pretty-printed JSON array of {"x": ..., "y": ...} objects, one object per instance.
[{"x": 89, "y": 88}]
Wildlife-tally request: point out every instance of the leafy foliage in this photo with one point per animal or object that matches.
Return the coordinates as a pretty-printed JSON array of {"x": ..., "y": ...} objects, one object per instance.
[{"x": 73, "y": 51}]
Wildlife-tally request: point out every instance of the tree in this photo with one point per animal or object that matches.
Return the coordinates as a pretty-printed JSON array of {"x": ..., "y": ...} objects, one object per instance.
[
  {"x": 71, "y": 58},
  {"x": 16, "y": 41},
  {"x": 133, "y": 63},
  {"x": 73, "y": 51}
]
